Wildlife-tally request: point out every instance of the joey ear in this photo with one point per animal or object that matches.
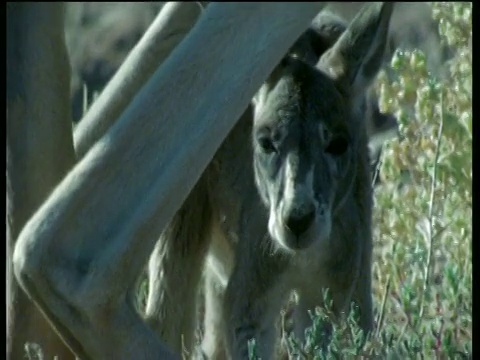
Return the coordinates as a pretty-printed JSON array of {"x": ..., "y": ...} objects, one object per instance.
[
  {"x": 324, "y": 31},
  {"x": 385, "y": 127},
  {"x": 321, "y": 35},
  {"x": 357, "y": 56},
  {"x": 381, "y": 126}
]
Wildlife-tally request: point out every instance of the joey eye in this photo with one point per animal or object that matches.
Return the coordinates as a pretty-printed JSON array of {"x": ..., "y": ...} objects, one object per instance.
[
  {"x": 338, "y": 145},
  {"x": 267, "y": 145}
]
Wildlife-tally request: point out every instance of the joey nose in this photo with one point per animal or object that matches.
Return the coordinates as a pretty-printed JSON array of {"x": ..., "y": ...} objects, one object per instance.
[{"x": 298, "y": 223}]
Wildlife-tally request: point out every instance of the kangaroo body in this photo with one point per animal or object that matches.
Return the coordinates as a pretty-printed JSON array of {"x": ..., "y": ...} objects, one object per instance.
[{"x": 296, "y": 218}]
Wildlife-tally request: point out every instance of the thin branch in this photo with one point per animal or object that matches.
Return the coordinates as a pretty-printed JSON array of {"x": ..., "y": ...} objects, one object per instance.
[
  {"x": 382, "y": 309},
  {"x": 430, "y": 209},
  {"x": 377, "y": 171}
]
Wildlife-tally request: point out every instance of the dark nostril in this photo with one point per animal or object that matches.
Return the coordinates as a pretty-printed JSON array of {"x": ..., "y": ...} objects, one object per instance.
[{"x": 299, "y": 224}]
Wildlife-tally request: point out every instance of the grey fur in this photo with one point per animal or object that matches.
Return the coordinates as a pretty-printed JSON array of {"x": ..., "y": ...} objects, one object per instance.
[{"x": 307, "y": 132}]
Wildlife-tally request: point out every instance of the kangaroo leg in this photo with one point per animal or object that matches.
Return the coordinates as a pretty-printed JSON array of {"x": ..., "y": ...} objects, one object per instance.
[
  {"x": 77, "y": 256},
  {"x": 339, "y": 276},
  {"x": 175, "y": 269},
  {"x": 339, "y": 296},
  {"x": 39, "y": 151},
  {"x": 362, "y": 295},
  {"x": 218, "y": 269},
  {"x": 255, "y": 292},
  {"x": 213, "y": 345}
]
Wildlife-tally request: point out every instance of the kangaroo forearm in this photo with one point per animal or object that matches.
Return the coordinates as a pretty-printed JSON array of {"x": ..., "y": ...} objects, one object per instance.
[{"x": 173, "y": 22}]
